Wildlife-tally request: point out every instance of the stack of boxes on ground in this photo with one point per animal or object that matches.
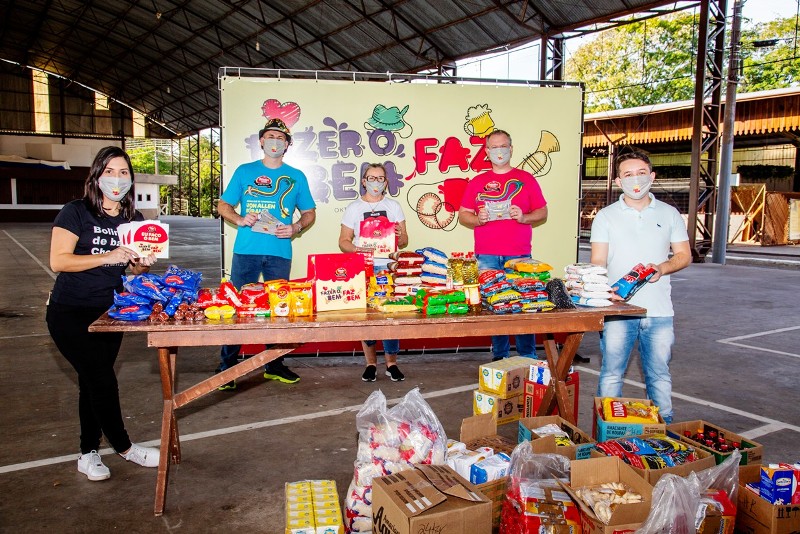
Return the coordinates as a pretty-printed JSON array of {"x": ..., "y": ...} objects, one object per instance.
[{"x": 514, "y": 387}]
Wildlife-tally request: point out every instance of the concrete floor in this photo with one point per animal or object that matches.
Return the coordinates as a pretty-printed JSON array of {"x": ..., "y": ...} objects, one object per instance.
[{"x": 240, "y": 448}]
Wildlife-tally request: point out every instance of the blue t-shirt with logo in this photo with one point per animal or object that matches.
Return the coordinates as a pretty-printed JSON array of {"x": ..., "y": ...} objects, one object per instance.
[{"x": 256, "y": 188}]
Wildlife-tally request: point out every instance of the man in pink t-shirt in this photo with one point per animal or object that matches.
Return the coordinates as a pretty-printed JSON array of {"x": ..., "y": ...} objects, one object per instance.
[{"x": 502, "y": 206}]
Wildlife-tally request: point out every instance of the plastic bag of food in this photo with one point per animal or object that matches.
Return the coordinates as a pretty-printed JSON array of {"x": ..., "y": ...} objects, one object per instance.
[{"x": 390, "y": 440}]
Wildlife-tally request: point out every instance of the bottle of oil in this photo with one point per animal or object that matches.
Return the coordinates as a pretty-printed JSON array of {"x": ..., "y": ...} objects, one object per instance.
[
  {"x": 458, "y": 269},
  {"x": 470, "y": 269}
]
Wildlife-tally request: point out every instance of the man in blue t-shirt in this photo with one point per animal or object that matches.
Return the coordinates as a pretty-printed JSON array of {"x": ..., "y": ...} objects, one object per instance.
[{"x": 265, "y": 187}]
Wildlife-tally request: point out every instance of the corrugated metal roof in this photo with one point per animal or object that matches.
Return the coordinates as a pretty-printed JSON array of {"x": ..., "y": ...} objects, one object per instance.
[{"x": 162, "y": 57}]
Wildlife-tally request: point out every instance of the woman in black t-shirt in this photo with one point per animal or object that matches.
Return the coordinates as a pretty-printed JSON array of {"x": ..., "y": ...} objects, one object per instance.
[{"x": 85, "y": 251}]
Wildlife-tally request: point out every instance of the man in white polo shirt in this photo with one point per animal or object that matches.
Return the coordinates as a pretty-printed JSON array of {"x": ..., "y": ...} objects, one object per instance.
[{"x": 640, "y": 229}]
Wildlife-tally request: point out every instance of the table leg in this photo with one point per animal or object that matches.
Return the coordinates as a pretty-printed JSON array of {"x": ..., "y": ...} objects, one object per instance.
[
  {"x": 559, "y": 364},
  {"x": 170, "y": 446}
]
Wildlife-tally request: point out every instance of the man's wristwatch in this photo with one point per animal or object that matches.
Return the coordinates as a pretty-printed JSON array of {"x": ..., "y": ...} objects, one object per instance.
[{"x": 299, "y": 227}]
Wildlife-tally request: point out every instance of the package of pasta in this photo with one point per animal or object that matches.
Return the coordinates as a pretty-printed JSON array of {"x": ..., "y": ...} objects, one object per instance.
[
  {"x": 527, "y": 265},
  {"x": 527, "y": 284},
  {"x": 409, "y": 258},
  {"x": 533, "y": 296},
  {"x": 505, "y": 307},
  {"x": 495, "y": 288},
  {"x": 148, "y": 285},
  {"x": 508, "y": 295},
  {"x": 629, "y": 411},
  {"x": 301, "y": 299},
  {"x": 280, "y": 299},
  {"x": 134, "y": 312},
  {"x": 184, "y": 279},
  {"x": 489, "y": 277},
  {"x": 537, "y": 306}
]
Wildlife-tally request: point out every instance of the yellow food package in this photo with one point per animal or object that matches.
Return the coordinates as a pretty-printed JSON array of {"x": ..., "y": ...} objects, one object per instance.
[
  {"x": 528, "y": 265},
  {"x": 280, "y": 300},
  {"x": 302, "y": 299},
  {"x": 227, "y": 311},
  {"x": 212, "y": 312},
  {"x": 629, "y": 411}
]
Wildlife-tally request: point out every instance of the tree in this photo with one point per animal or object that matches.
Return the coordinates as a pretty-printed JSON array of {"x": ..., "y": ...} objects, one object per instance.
[
  {"x": 770, "y": 53},
  {"x": 652, "y": 61}
]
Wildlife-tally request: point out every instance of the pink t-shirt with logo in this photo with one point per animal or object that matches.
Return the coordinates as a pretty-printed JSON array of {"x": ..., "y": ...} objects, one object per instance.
[{"x": 504, "y": 237}]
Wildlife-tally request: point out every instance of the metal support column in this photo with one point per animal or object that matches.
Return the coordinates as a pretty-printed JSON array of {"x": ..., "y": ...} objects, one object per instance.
[
  {"x": 194, "y": 190},
  {"x": 706, "y": 125},
  {"x": 551, "y": 62}
]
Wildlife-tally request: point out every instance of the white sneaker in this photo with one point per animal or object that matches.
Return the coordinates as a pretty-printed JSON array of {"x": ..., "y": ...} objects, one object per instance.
[
  {"x": 144, "y": 456},
  {"x": 93, "y": 467}
]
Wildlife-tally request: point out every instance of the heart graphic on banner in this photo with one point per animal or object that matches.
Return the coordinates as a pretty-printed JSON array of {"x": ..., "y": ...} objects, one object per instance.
[{"x": 289, "y": 112}]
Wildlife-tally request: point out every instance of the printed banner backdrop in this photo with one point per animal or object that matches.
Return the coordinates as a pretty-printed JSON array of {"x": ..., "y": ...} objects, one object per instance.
[{"x": 430, "y": 137}]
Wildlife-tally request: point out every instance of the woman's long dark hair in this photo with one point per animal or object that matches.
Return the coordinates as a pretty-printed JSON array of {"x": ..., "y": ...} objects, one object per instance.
[{"x": 91, "y": 189}]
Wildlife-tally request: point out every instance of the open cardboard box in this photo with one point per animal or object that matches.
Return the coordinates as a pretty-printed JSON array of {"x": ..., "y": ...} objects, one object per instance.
[
  {"x": 751, "y": 451},
  {"x": 605, "y": 430},
  {"x": 755, "y": 515},
  {"x": 547, "y": 444},
  {"x": 429, "y": 498},
  {"x": 534, "y": 392},
  {"x": 481, "y": 431},
  {"x": 595, "y": 471},
  {"x": 704, "y": 461}
]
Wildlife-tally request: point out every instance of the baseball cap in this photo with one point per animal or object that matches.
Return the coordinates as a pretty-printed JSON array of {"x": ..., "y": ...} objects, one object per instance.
[{"x": 276, "y": 125}]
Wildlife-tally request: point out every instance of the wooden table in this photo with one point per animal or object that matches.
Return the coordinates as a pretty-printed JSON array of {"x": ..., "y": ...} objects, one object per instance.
[{"x": 282, "y": 335}]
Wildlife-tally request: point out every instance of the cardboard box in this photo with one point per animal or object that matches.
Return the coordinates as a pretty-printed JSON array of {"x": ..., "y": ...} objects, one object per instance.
[
  {"x": 606, "y": 430},
  {"x": 755, "y": 515},
  {"x": 595, "y": 471},
  {"x": 505, "y": 377},
  {"x": 481, "y": 431},
  {"x": 430, "y": 498},
  {"x": 704, "y": 461},
  {"x": 547, "y": 444},
  {"x": 539, "y": 372},
  {"x": 533, "y": 394},
  {"x": 751, "y": 451},
  {"x": 779, "y": 483},
  {"x": 504, "y": 410},
  {"x": 340, "y": 281}
]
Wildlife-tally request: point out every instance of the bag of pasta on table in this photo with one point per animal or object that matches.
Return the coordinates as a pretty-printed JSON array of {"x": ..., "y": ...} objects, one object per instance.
[
  {"x": 390, "y": 440},
  {"x": 535, "y": 501}
]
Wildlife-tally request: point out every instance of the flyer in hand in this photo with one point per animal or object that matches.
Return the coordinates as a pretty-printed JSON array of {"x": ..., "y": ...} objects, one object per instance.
[
  {"x": 267, "y": 223},
  {"x": 145, "y": 237}
]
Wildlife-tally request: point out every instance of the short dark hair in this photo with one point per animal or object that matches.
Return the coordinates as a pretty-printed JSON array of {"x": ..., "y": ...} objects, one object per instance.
[
  {"x": 495, "y": 132},
  {"x": 92, "y": 194},
  {"x": 631, "y": 153}
]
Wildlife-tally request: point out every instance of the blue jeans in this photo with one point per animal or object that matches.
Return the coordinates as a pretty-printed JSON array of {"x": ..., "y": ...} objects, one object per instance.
[
  {"x": 246, "y": 269},
  {"x": 501, "y": 345},
  {"x": 390, "y": 346},
  {"x": 655, "y": 336}
]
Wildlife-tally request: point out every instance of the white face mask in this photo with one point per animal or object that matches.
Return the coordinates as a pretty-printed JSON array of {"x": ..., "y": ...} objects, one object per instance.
[
  {"x": 114, "y": 188},
  {"x": 375, "y": 188},
  {"x": 274, "y": 148},
  {"x": 499, "y": 156},
  {"x": 636, "y": 187}
]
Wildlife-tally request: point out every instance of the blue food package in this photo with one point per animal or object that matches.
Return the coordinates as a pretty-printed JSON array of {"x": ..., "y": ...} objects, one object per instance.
[{"x": 628, "y": 285}]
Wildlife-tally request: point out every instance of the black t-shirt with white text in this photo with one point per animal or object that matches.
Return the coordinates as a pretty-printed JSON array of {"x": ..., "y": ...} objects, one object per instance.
[{"x": 96, "y": 235}]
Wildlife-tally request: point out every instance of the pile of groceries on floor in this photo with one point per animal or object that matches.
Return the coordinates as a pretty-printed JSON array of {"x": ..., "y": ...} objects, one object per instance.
[{"x": 626, "y": 471}]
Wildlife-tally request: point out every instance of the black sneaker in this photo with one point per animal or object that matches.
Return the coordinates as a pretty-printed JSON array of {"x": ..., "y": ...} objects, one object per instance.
[
  {"x": 281, "y": 373},
  {"x": 394, "y": 373},
  {"x": 370, "y": 374}
]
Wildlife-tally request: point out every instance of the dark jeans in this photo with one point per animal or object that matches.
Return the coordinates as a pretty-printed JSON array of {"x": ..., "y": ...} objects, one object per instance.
[
  {"x": 246, "y": 269},
  {"x": 92, "y": 355}
]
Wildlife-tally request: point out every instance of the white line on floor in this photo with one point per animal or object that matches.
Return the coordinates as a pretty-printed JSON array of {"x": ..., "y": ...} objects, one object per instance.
[
  {"x": 733, "y": 340},
  {"x": 754, "y": 433},
  {"x": 23, "y": 335},
  {"x": 29, "y": 253},
  {"x": 763, "y": 260},
  {"x": 758, "y": 334},
  {"x": 233, "y": 429}
]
